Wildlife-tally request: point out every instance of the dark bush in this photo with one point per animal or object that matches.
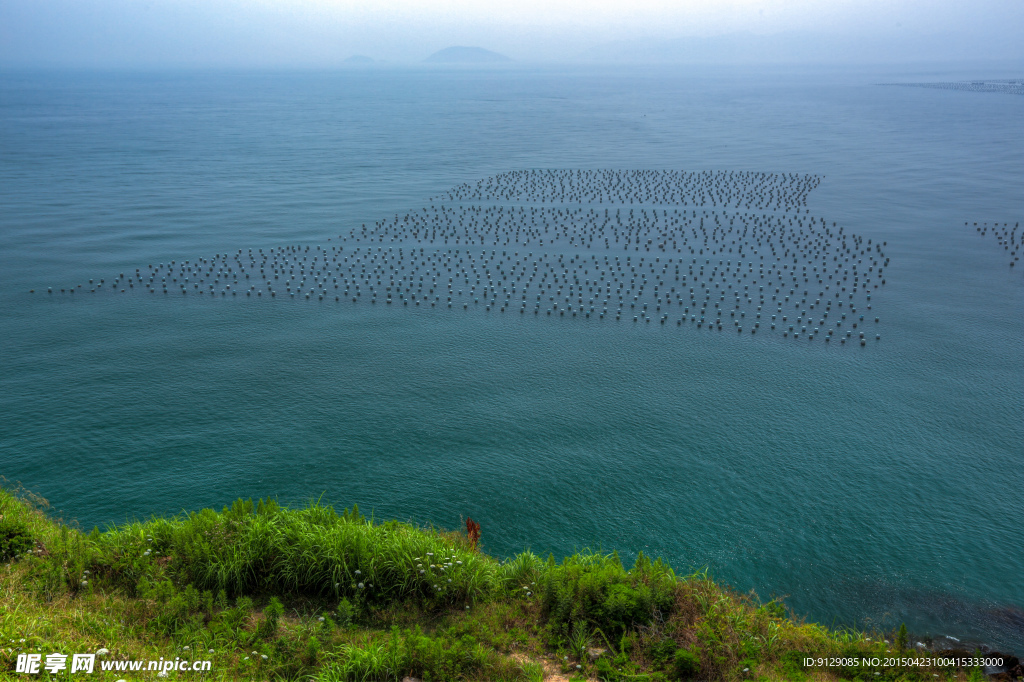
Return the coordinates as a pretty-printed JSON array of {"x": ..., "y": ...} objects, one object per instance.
[
  {"x": 599, "y": 591},
  {"x": 346, "y": 612},
  {"x": 15, "y": 539},
  {"x": 775, "y": 609},
  {"x": 271, "y": 614},
  {"x": 686, "y": 665}
]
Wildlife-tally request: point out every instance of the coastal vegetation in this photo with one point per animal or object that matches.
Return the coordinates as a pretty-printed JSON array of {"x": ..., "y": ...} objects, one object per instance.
[{"x": 269, "y": 593}]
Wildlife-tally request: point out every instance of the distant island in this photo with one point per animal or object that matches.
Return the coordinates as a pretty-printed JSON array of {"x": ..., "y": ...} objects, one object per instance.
[{"x": 466, "y": 55}]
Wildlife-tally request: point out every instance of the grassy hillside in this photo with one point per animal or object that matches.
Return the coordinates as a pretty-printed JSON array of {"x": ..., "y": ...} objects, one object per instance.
[{"x": 267, "y": 593}]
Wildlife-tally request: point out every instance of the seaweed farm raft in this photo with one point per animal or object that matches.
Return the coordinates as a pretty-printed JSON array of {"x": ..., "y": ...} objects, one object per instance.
[
  {"x": 719, "y": 251},
  {"x": 1010, "y": 87}
]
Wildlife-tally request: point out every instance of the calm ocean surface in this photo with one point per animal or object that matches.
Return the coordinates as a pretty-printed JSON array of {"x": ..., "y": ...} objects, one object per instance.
[{"x": 872, "y": 485}]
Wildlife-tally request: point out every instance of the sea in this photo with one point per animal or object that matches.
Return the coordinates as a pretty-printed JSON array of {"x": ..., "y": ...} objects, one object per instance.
[{"x": 867, "y": 486}]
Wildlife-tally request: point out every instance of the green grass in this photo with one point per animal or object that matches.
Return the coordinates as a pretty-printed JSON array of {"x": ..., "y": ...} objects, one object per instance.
[{"x": 268, "y": 593}]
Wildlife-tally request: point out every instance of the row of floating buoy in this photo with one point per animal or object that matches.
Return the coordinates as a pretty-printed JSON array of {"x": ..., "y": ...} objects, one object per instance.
[
  {"x": 645, "y": 229},
  {"x": 1009, "y": 87},
  {"x": 791, "y": 274},
  {"x": 738, "y": 189}
]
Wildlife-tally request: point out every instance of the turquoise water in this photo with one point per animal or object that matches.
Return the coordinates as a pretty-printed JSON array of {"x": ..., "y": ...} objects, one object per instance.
[{"x": 872, "y": 485}]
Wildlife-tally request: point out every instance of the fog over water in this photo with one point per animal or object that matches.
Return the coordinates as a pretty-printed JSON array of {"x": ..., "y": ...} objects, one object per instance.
[{"x": 319, "y": 33}]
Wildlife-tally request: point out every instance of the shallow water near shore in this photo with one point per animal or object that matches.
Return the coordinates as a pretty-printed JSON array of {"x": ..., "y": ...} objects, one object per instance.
[{"x": 871, "y": 485}]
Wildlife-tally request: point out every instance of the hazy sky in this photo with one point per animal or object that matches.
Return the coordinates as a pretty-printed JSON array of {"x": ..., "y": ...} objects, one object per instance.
[{"x": 324, "y": 32}]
